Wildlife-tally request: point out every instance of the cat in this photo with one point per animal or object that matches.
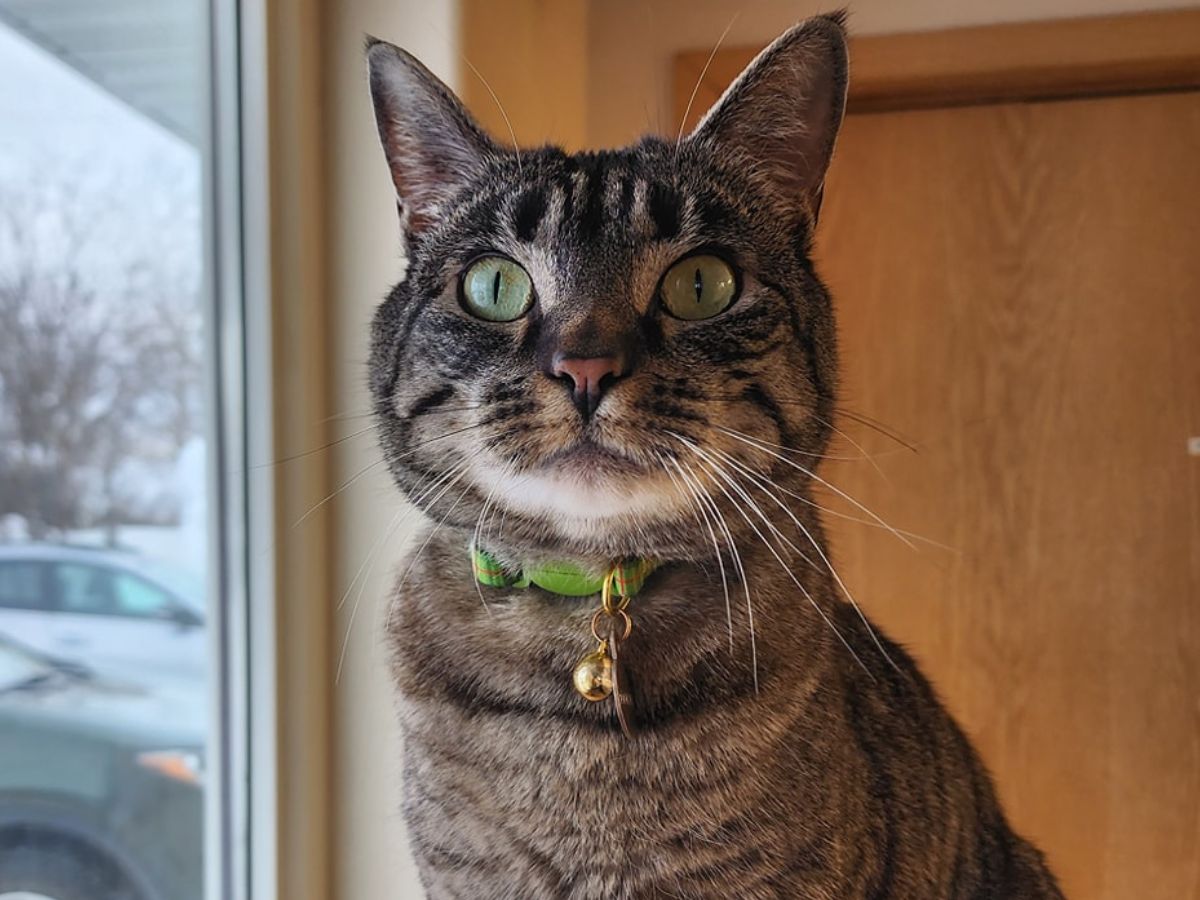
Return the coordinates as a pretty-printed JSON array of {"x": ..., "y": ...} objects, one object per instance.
[{"x": 627, "y": 355}]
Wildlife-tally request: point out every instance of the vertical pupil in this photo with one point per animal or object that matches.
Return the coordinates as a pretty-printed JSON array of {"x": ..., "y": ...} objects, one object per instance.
[
  {"x": 699, "y": 284},
  {"x": 496, "y": 287}
]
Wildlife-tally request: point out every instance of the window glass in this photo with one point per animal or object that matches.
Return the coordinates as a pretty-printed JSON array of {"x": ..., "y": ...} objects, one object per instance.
[
  {"x": 104, "y": 447},
  {"x": 21, "y": 586},
  {"x": 103, "y": 591},
  {"x": 84, "y": 589},
  {"x": 139, "y": 598}
]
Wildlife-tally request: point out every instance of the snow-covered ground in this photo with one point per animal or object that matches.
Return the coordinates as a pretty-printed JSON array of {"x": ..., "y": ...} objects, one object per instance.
[{"x": 184, "y": 546}]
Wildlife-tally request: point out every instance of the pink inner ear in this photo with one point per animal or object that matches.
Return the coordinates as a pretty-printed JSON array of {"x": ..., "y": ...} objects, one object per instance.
[
  {"x": 427, "y": 169},
  {"x": 782, "y": 114},
  {"x": 433, "y": 146}
]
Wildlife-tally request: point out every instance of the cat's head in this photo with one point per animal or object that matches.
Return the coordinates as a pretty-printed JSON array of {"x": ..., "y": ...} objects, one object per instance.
[{"x": 586, "y": 348}]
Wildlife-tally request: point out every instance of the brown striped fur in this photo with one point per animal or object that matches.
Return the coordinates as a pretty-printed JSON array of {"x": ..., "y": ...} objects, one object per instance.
[{"x": 800, "y": 754}]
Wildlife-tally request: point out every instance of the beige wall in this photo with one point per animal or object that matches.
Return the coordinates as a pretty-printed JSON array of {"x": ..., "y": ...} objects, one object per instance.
[
  {"x": 371, "y": 861},
  {"x": 631, "y": 43}
]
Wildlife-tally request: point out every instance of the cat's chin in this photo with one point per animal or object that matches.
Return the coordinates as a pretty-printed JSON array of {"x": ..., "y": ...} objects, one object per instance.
[{"x": 581, "y": 489}]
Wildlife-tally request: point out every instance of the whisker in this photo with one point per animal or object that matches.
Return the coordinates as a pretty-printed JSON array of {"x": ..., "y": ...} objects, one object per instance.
[
  {"x": 304, "y": 453},
  {"x": 462, "y": 470},
  {"x": 438, "y": 526},
  {"x": 766, "y": 519},
  {"x": 820, "y": 552},
  {"x": 504, "y": 510},
  {"x": 827, "y": 511},
  {"x": 862, "y": 418},
  {"x": 875, "y": 424},
  {"x": 354, "y": 609},
  {"x": 475, "y": 542},
  {"x": 500, "y": 106},
  {"x": 400, "y": 514},
  {"x": 697, "y": 508},
  {"x": 754, "y": 443},
  {"x": 737, "y": 562},
  {"x": 717, "y": 469},
  {"x": 795, "y": 451},
  {"x": 359, "y": 474},
  {"x": 699, "y": 81},
  {"x": 343, "y": 486},
  {"x": 834, "y": 457},
  {"x": 708, "y": 502},
  {"x": 441, "y": 437},
  {"x": 857, "y": 446},
  {"x": 346, "y": 416},
  {"x": 446, "y": 409}
]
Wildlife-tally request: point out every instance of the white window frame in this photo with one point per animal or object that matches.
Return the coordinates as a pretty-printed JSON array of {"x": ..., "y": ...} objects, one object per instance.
[
  {"x": 267, "y": 830},
  {"x": 227, "y": 830}
]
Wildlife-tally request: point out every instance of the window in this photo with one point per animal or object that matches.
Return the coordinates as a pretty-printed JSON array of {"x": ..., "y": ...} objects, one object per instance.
[
  {"x": 140, "y": 599},
  {"x": 103, "y": 591},
  {"x": 84, "y": 589},
  {"x": 21, "y": 586},
  {"x": 109, "y": 425}
]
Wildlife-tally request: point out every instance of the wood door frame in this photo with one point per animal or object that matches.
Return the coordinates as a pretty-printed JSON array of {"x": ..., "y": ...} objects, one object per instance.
[{"x": 1045, "y": 60}]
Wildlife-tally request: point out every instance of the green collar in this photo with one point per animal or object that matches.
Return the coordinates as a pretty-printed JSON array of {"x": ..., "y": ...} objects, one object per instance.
[{"x": 563, "y": 578}]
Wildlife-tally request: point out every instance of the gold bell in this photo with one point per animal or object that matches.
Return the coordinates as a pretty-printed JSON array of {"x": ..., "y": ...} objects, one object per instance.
[{"x": 593, "y": 675}]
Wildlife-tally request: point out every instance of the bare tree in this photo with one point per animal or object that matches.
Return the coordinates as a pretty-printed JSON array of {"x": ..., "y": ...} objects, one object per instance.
[{"x": 99, "y": 363}]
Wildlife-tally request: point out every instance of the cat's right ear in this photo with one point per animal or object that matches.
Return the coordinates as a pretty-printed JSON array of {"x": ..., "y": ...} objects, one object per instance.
[
  {"x": 433, "y": 146},
  {"x": 781, "y": 116}
]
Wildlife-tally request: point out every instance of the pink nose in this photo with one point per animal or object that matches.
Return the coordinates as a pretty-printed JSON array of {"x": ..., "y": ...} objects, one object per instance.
[{"x": 590, "y": 378}]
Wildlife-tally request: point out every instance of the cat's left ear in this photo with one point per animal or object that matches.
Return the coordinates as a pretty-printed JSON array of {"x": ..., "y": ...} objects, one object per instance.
[
  {"x": 782, "y": 114},
  {"x": 433, "y": 146}
]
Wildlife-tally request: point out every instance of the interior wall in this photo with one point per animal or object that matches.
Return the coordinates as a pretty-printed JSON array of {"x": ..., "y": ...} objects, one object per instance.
[
  {"x": 631, "y": 43},
  {"x": 371, "y": 859},
  {"x": 524, "y": 69}
]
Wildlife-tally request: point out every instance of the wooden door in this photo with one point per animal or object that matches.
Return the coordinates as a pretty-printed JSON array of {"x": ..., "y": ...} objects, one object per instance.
[
  {"x": 1018, "y": 287},
  {"x": 1019, "y": 296}
]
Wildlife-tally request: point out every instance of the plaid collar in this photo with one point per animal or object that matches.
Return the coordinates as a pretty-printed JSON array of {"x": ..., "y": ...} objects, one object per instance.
[{"x": 563, "y": 578}]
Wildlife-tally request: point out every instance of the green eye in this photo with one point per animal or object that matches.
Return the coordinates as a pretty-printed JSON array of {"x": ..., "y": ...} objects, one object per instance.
[
  {"x": 699, "y": 287},
  {"x": 496, "y": 289}
]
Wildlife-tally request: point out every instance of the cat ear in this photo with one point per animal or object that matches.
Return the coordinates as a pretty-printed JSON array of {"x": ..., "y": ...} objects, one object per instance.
[
  {"x": 433, "y": 146},
  {"x": 782, "y": 114}
]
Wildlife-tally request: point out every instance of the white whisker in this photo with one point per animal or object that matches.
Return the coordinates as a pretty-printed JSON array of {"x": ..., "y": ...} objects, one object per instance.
[
  {"x": 718, "y": 470},
  {"x": 475, "y": 543},
  {"x": 857, "y": 446},
  {"x": 737, "y": 558},
  {"x": 500, "y": 106},
  {"x": 696, "y": 505},
  {"x": 820, "y": 552},
  {"x": 392, "y": 525},
  {"x": 815, "y": 477},
  {"x": 461, "y": 470},
  {"x": 699, "y": 81},
  {"x": 343, "y": 486}
]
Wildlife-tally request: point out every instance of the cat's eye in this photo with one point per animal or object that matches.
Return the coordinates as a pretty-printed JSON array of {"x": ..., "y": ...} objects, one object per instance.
[
  {"x": 496, "y": 289},
  {"x": 699, "y": 287}
]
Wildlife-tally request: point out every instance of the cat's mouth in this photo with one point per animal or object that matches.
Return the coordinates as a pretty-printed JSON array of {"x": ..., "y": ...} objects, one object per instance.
[{"x": 586, "y": 458}]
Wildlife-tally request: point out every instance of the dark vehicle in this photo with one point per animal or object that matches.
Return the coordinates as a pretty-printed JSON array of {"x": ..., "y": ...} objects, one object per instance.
[{"x": 101, "y": 792}]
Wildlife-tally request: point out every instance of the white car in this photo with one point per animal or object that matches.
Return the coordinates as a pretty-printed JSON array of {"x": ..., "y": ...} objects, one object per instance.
[{"x": 112, "y": 612}]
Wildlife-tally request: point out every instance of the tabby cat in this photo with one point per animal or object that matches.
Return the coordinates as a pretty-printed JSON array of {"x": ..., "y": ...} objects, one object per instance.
[{"x": 618, "y": 356}]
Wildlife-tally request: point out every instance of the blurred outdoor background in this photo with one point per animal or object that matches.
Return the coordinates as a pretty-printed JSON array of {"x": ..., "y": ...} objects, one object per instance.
[{"x": 104, "y": 485}]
